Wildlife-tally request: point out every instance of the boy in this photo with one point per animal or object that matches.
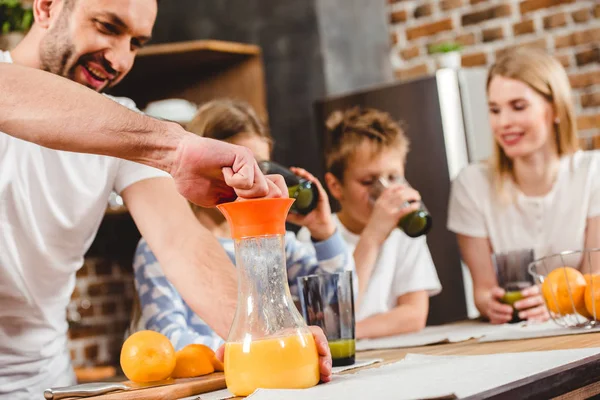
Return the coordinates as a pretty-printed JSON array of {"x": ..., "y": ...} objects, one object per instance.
[{"x": 395, "y": 273}]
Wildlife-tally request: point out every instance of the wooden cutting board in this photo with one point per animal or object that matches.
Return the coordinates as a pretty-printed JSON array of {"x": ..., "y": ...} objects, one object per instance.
[{"x": 179, "y": 389}]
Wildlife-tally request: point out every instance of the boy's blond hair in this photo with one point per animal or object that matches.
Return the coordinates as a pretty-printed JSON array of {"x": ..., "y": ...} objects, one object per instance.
[
  {"x": 348, "y": 129},
  {"x": 544, "y": 74}
]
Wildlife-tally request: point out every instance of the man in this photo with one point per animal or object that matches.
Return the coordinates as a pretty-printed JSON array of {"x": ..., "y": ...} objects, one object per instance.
[{"x": 52, "y": 199}]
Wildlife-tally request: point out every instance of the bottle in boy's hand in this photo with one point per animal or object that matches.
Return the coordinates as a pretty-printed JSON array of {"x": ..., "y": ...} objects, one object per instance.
[
  {"x": 414, "y": 224},
  {"x": 303, "y": 190}
]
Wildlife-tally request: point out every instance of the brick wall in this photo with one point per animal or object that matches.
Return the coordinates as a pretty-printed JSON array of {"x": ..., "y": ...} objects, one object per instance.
[
  {"x": 99, "y": 312},
  {"x": 568, "y": 29},
  {"x": 100, "y": 308}
]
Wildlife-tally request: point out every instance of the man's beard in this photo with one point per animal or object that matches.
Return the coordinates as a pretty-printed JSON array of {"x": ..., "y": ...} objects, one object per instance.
[{"x": 57, "y": 49}]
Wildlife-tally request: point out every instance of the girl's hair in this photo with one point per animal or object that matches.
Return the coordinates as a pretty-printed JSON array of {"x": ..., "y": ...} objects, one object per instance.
[
  {"x": 348, "y": 129},
  {"x": 224, "y": 119},
  {"x": 544, "y": 74}
]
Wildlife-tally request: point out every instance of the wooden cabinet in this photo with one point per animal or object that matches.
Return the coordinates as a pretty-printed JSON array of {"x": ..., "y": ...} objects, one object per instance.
[{"x": 197, "y": 71}]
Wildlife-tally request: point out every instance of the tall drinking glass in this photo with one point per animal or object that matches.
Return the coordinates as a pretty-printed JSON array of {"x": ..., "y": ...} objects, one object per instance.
[
  {"x": 328, "y": 302},
  {"x": 513, "y": 276}
]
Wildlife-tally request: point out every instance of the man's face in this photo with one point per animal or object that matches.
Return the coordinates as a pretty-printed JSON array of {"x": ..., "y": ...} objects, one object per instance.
[{"x": 94, "y": 42}]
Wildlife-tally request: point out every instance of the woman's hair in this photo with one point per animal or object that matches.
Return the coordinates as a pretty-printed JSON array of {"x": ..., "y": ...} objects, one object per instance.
[
  {"x": 224, "y": 119},
  {"x": 544, "y": 74},
  {"x": 348, "y": 129}
]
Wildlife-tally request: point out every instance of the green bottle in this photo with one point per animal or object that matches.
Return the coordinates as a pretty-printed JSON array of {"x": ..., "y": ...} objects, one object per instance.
[
  {"x": 304, "y": 191},
  {"x": 416, "y": 223}
]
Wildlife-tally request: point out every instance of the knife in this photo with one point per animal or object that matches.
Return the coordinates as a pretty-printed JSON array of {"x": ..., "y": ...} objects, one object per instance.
[{"x": 98, "y": 388}]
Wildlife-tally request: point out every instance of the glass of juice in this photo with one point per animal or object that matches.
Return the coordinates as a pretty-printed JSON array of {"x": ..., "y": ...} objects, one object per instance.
[
  {"x": 513, "y": 276},
  {"x": 327, "y": 301}
]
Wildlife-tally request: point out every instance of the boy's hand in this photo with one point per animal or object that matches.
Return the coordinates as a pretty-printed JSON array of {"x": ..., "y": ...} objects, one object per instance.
[
  {"x": 322, "y": 348},
  {"x": 389, "y": 208},
  {"x": 318, "y": 221}
]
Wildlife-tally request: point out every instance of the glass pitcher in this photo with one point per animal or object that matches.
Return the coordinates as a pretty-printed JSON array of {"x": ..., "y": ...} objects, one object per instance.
[{"x": 269, "y": 344}]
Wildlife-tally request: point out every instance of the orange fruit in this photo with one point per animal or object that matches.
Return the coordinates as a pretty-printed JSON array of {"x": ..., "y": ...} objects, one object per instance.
[
  {"x": 217, "y": 364},
  {"x": 555, "y": 290},
  {"x": 588, "y": 278},
  {"x": 147, "y": 356},
  {"x": 193, "y": 360},
  {"x": 592, "y": 294}
]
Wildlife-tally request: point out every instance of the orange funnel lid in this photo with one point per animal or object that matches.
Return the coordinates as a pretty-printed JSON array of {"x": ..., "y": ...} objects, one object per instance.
[{"x": 256, "y": 217}]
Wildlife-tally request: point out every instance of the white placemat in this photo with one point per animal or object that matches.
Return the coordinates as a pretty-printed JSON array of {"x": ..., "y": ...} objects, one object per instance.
[
  {"x": 357, "y": 364},
  {"x": 216, "y": 395},
  {"x": 226, "y": 394},
  {"x": 450, "y": 333},
  {"x": 534, "y": 330},
  {"x": 427, "y": 377}
]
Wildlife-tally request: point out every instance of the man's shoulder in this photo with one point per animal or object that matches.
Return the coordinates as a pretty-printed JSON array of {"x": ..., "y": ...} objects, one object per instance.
[{"x": 5, "y": 57}]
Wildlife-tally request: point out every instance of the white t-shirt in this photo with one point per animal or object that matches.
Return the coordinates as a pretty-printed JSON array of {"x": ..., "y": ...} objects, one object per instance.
[
  {"x": 51, "y": 205},
  {"x": 548, "y": 224},
  {"x": 404, "y": 265}
]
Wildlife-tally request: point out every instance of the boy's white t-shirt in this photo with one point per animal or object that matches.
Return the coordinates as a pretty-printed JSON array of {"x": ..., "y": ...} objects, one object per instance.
[
  {"x": 548, "y": 224},
  {"x": 51, "y": 205},
  {"x": 404, "y": 265}
]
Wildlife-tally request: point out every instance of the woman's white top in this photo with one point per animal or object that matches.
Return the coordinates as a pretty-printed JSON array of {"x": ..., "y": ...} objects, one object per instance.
[{"x": 548, "y": 224}]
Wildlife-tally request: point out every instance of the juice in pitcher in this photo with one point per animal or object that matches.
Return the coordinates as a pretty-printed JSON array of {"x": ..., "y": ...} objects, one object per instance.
[{"x": 289, "y": 362}]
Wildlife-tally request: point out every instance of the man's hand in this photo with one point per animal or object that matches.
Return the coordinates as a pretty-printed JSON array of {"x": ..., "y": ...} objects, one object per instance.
[
  {"x": 209, "y": 172},
  {"x": 324, "y": 353},
  {"x": 322, "y": 349}
]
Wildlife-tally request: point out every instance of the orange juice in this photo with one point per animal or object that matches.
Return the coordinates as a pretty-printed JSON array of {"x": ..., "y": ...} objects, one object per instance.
[{"x": 287, "y": 362}]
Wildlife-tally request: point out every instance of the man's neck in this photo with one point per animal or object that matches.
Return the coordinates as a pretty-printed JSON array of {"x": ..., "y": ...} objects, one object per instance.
[{"x": 23, "y": 54}]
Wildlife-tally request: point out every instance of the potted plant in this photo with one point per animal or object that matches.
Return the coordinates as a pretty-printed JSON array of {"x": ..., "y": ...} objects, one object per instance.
[
  {"x": 15, "y": 20},
  {"x": 447, "y": 54}
]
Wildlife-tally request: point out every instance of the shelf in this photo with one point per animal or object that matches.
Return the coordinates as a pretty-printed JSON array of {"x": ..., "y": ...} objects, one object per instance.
[
  {"x": 197, "y": 71},
  {"x": 208, "y": 46}
]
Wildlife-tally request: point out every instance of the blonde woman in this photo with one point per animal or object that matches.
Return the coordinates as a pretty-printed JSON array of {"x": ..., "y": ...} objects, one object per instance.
[{"x": 538, "y": 191}]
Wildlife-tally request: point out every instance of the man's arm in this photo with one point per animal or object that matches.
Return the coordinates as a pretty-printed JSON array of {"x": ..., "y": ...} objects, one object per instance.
[
  {"x": 190, "y": 256},
  {"x": 60, "y": 114},
  {"x": 54, "y": 112},
  {"x": 162, "y": 308}
]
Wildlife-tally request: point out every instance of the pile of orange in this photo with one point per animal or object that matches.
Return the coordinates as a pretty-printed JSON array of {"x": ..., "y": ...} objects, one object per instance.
[
  {"x": 592, "y": 295},
  {"x": 149, "y": 356},
  {"x": 566, "y": 291},
  {"x": 195, "y": 360}
]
